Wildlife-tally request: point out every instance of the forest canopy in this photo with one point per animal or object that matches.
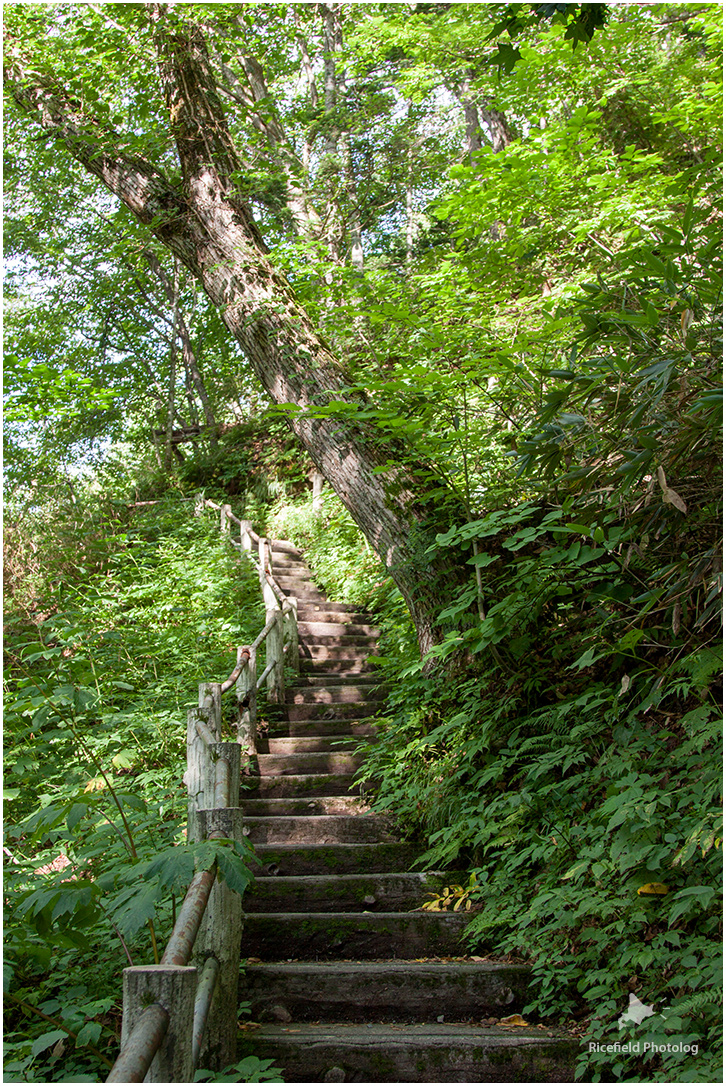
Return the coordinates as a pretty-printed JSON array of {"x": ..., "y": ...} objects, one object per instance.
[{"x": 465, "y": 260}]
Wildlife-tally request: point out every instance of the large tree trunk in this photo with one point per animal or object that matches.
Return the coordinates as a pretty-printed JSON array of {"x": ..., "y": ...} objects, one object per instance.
[{"x": 212, "y": 232}]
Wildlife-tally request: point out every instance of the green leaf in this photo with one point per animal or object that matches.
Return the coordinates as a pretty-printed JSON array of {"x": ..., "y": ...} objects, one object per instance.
[
  {"x": 174, "y": 868},
  {"x": 233, "y": 870},
  {"x": 46, "y": 1040},
  {"x": 588, "y": 658},
  {"x": 135, "y": 907}
]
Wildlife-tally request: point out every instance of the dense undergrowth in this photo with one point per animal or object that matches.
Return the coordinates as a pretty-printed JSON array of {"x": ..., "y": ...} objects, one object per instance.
[
  {"x": 577, "y": 780},
  {"x": 107, "y": 637},
  {"x": 576, "y": 767}
]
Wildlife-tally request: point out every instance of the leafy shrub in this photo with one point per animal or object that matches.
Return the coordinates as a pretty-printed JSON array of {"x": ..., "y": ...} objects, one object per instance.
[{"x": 95, "y": 749}]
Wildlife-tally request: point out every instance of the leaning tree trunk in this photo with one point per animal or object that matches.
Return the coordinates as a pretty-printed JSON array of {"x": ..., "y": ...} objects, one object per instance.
[{"x": 212, "y": 232}]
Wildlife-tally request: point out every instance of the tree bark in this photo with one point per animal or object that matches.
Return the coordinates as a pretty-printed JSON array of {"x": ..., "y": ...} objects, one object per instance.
[
  {"x": 210, "y": 229},
  {"x": 189, "y": 358}
]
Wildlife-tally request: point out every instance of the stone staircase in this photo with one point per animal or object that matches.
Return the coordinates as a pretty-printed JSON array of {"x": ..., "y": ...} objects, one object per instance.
[{"x": 349, "y": 979}]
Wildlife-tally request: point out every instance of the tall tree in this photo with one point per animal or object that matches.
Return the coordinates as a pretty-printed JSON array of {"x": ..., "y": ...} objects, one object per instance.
[{"x": 206, "y": 225}]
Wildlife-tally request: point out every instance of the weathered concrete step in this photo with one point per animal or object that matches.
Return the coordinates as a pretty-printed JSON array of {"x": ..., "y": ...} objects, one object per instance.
[
  {"x": 346, "y": 666},
  {"x": 385, "y": 991},
  {"x": 308, "y": 743},
  {"x": 349, "y": 645},
  {"x": 338, "y": 648},
  {"x": 301, "y": 590},
  {"x": 317, "y": 829},
  {"x": 336, "y": 629},
  {"x": 336, "y": 710},
  {"x": 352, "y": 935},
  {"x": 283, "y": 546},
  {"x": 323, "y": 680},
  {"x": 324, "y": 727},
  {"x": 300, "y": 784},
  {"x": 330, "y": 695},
  {"x": 415, "y": 1053},
  {"x": 384, "y": 892},
  {"x": 290, "y": 563},
  {"x": 335, "y": 608},
  {"x": 304, "y": 805},
  {"x": 336, "y": 859},
  {"x": 295, "y": 765},
  {"x": 297, "y": 581},
  {"x": 307, "y": 613}
]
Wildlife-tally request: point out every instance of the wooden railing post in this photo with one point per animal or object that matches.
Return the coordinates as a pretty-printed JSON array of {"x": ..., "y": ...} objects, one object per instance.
[
  {"x": 225, "y": 524},
  {"x": 275, "y": 655},
  {"x": 210, "y": 696},
  {"x": 289, "y": 613},
  {"x": 173, "y": 987},
  {"x": 247, "y": 701},
  {"x": 229, "y": 753},
  {"x": 268, "y": 593},
  {"x": 220, "y": 935},
  {"x": 245, "y": 527},
  {"x": 199, "y": 773}
]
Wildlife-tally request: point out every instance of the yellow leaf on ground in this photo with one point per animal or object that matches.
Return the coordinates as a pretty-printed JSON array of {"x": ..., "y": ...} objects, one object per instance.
[
  {"x": 513, "y": 1020},
  {"x": 653, "y": 888}
]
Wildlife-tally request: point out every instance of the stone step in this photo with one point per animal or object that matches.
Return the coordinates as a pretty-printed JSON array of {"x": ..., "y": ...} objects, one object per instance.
[
  {"x": 358, "y": 935},
  {"x": 318, "y": 679},
  {"x": 335, "y": 608},
  {"x": 332, "y": 649},
  {"x": 348, "y": 644},
  {"x": 305, "y": 805},
  {"x": 340, "y": 692},
  {"x": 335, "y": 859},
  {"x": 300, "y": 590},
  {"x": 307, "y": 613},
  {"x": 346, "y": 666},
  {"x": 332, "y": 710},
  {"x": 315, "y": 762},
  {"x": 299, "y": 784},
  {"x": 387, "y": 892},
  {"x": 283, "y": 546},
  {"x": 323, "y": 727},
  {"x": 313, "y": 630},
  {"x": 291, "y": 565},
  {"x": 308, "y": 743},
  {"x": 317, "y": 829},
  {"x": 384, "y": 1052},
  {"x": 297, "y": 582},
  {"x": 392, "y": 991}
]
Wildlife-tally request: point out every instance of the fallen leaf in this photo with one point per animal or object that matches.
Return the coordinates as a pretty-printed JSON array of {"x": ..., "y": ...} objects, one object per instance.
[
  {"x": 653, "y": 888},
  {"x": 671, "y": 498},
  {"x": 513, "y": 1020}
]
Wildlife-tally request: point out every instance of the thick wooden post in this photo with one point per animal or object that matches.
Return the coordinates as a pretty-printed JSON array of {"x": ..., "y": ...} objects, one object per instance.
[
  {"x": 290, "y": 624},
  {"x": 267, "y": 593},
  {"x": 210, "y": 696},
  {"x": 245, "y": 538},
  {"x": 199, "y": 776},
  {"x": 229, "y": 753},
  {"x": 275, "y": 655},
  {"x": 247, "y": 701},
  {"x": 221, "y": 935},
  {"x": 225, "y": 524},
  {"x": 174, "y": 987}
]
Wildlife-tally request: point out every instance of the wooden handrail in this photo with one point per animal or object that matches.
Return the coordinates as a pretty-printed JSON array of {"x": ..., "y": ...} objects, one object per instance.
[
  {"x": 141, "y": 1045},
  {"x": 165, "y": 1040}
]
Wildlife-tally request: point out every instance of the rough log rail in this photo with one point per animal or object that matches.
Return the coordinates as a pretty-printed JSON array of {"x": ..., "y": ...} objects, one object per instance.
[{"x": 176, "y": 1013}]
